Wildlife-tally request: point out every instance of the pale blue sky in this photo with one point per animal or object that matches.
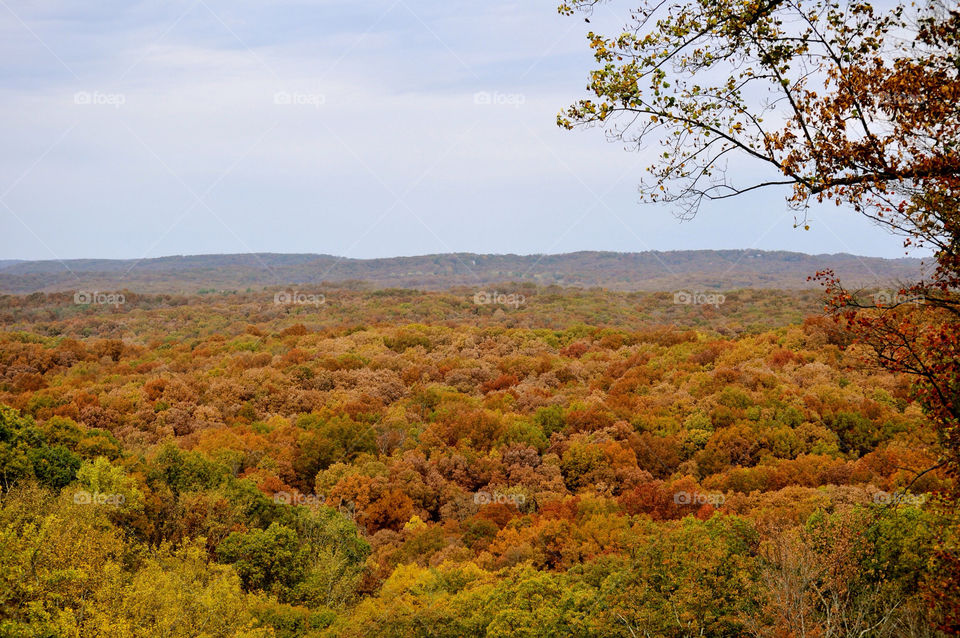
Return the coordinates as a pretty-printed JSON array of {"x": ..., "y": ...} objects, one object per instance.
[{"x": 142, "y": 129}]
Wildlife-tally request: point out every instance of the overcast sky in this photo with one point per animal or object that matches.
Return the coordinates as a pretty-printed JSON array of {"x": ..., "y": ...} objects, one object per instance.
[{"x": 365, "y": 129}]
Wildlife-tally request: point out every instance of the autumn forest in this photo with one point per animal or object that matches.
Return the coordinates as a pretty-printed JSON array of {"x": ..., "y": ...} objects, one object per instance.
[
  {"x": 228, "y": 408},
  {"x": 398, "y": 463}
]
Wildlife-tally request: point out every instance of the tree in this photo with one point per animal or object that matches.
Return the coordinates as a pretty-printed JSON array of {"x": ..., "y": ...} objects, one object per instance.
[
  {"x": 826, "y": 96},
  {"x": 24, "y": 452},
  {"x": 852, "y": 572},
  {"x": 334, "y": 554},
  {"x": 55, "y": 556},
  {"x": 268, "y": 560},
  {"x": 693, "y": 579},
  {"x": 176, "y": 592}
]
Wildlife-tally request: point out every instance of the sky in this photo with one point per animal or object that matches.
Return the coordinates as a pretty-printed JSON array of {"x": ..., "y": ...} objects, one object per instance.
[{"x": 362, "y": 129}]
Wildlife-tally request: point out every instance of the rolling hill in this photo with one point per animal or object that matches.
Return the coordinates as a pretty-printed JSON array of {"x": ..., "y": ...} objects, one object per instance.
[{"x": 647, "y": 271}]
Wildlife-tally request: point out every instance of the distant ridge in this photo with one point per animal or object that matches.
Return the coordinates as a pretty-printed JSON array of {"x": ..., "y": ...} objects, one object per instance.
[
  {"x": 651, "y": 270},
  {"x": 4, "y": 263}
]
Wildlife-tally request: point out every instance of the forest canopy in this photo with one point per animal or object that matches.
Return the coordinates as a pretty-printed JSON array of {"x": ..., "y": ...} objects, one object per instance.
[{"x": 195, "y": 463}]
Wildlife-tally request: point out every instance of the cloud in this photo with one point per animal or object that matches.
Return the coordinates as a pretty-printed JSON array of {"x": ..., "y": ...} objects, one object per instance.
[{"x": 367, "y": 129}]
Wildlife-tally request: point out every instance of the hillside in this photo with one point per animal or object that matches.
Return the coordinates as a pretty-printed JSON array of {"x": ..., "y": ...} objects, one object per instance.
[
  {"x": 626, "y": 272},
  {"x": 351, "y": 467}
]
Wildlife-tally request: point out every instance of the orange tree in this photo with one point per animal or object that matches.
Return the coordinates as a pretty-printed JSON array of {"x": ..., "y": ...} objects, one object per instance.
[{"x": 835, "y": 100}]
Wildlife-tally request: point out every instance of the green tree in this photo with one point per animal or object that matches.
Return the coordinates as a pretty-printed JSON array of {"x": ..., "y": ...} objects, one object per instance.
[
  {"x": 334, "y": 556},
  {"x": 266, "y": 560}
]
